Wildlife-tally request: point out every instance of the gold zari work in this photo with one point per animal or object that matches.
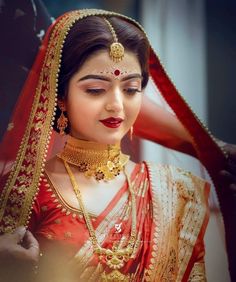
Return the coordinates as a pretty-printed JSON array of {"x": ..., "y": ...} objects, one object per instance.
[
  {"x": 198, "y": 273},
  {"x": 173, "y": 247},
  {"x": 103, "y": 162}
]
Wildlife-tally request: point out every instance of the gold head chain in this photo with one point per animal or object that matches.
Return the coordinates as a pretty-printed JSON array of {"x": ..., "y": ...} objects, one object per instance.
[{"x": 117, "y": 50}]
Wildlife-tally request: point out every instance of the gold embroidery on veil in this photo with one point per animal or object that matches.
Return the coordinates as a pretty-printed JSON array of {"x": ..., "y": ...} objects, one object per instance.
[{"x": 25, "y": 180}]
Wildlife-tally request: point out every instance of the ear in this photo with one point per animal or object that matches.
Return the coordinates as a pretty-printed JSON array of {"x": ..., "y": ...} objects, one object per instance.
[{"x": 62, "y": 105}]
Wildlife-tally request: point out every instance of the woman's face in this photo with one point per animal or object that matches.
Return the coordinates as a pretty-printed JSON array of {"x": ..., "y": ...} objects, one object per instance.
[{"x": 104, "y": 98}]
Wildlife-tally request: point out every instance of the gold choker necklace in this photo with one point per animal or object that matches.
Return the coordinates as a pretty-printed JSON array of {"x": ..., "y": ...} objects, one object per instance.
[{"x": 103, "y": 162}]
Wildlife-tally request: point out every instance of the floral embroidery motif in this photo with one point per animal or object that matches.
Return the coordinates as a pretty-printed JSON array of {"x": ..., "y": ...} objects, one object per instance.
[
  {"x": 68, "y": 234},
  {"x": 49, "y": 236},
  {"x": 171, "y": 269},
  {"x": 44, "y": 208},
  {"x": 57, "y": 221},
  {"x": 198, "y": 273},
  {"x": 10, "y": 126}
]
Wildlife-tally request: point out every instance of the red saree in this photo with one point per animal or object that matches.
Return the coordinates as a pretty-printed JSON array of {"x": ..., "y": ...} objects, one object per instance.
[
  {"x": 171, "y": 221},
  {"x": 172, "y": 213},
  {"x": 29, "y": 140}
]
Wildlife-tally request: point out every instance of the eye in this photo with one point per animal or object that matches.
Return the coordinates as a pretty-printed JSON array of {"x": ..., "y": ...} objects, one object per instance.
[
  {"x": 95, "y": 91},
  {"x": 131, "y": 91}
]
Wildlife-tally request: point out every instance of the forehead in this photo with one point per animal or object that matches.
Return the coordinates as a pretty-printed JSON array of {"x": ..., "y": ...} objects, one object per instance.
[{"x": 101, "y": 63}]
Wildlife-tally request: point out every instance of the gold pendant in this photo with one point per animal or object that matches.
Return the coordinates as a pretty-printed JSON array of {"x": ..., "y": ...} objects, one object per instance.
[
  {"x": 117, "y": 52},
  {"x": 114, "y": 276},
  {"x": 115, "y": 258}
]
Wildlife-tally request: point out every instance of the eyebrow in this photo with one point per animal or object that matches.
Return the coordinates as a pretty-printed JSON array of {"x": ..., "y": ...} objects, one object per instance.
[{"x": 105, "y": 78}]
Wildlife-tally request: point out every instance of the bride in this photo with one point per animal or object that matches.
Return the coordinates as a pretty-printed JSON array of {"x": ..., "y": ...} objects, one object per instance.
[{"x": 97, "y": 215}]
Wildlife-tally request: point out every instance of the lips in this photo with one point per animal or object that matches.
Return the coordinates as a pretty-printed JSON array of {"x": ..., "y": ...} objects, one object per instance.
[{"x": 112, "y": 122}]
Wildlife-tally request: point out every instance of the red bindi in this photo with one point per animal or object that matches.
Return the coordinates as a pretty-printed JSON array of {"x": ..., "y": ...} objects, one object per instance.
[{"x": 116, "y": 72}]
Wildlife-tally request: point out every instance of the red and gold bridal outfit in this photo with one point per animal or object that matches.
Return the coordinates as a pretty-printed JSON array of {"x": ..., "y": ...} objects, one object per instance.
[
  {"x": 171, "y": 221},
  {"x": 176, "y": 219}
]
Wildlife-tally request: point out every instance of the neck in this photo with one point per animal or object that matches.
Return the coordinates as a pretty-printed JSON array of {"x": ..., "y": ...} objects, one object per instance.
[{"x": 85, "y": 144}]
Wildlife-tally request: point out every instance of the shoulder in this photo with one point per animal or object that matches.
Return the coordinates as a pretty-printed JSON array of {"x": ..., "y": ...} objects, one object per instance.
[{"x": 186, "y": 184}]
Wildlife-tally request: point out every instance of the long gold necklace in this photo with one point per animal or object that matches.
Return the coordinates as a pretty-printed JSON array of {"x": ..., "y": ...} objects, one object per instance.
[
  {"x": 103, "y": 162},
  {"x": 114, "y": 258}
]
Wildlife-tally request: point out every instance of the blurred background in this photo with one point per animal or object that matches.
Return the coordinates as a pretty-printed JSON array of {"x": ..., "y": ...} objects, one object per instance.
[{"x": 195, "y": 40}]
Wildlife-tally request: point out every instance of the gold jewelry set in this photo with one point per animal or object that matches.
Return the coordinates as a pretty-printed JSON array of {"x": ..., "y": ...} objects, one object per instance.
[
  {"x": 103, "y": 162},
  {"x": 114, "y": 258},
  {"x": 84, "y": 155}
]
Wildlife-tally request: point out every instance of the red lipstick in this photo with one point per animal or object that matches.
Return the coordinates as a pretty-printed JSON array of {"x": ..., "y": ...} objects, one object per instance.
[{"x": 112, "y": 122}]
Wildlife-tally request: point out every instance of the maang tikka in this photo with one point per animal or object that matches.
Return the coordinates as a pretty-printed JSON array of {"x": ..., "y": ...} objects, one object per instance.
[
  {"x": 62, "y": 121},
  {"x": 116, "y": 49}
]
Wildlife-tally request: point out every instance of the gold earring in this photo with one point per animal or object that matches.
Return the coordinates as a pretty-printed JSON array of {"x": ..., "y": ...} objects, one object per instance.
[
  {"x": 62, "y": 121},
  {"x": 131, "y": 133}
]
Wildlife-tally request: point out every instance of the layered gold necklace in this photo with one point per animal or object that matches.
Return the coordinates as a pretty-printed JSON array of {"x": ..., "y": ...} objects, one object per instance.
[
  {"x": 103, "y": 162},
  {"x": 116, "y": 257}
]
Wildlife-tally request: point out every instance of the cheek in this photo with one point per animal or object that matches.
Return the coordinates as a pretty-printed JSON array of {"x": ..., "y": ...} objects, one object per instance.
[
  {"x": 134, "y": 108},
  {"x": 74, "y": 110},
  {"x": 77, "y": 114},
  {"x": 82, "y": 110}
]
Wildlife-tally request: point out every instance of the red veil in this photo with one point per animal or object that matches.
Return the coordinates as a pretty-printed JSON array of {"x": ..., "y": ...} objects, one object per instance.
[{"x": 30, "y": 138}]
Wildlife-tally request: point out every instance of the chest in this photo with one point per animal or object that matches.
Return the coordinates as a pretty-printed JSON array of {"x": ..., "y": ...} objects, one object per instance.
[{"x": 95, "y": 197}]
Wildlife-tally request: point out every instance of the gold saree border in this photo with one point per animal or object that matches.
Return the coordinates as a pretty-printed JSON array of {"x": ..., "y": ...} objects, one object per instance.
[
  {"x": 198, "y": 273},
  {"x": 180, "y": 186}
]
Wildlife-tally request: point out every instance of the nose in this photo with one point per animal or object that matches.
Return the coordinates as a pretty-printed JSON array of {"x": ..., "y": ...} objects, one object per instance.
[{"x": 114, "y": 102}]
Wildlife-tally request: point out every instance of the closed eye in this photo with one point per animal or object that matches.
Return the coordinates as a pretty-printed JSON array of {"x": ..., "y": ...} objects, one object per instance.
[
  {"x": 95, "y": 91},
  {"x": 131, "y": 91}
]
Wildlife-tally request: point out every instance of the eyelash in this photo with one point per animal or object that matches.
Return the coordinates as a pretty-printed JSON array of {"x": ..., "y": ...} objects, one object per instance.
[
  {"x": 98, "y": 91},
  {"x": 132, "y": 91},
  {"x": 95, "y": 91}
]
